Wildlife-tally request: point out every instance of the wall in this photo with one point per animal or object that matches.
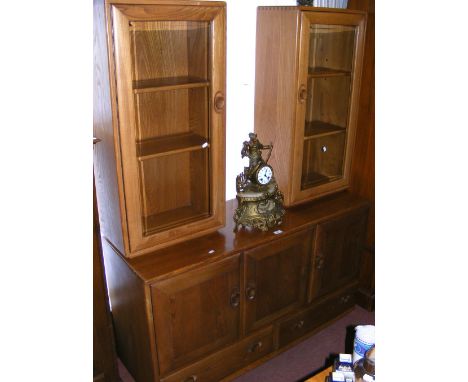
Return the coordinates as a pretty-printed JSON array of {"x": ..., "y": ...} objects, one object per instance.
[{"x": 241, "y": 28}]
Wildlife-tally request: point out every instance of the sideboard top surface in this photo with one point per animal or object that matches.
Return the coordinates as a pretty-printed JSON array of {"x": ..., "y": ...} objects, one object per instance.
[{"x": 190, "y": 254}]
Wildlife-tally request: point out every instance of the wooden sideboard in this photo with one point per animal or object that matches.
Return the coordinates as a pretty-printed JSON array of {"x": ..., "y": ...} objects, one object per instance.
[{"x": 210, "y": 308}]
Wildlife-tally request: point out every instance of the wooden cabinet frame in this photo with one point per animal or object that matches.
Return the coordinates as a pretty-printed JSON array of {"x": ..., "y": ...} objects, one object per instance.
[
  {"x": 281, "y": 87},
  {"x": 123, "y": 201}
]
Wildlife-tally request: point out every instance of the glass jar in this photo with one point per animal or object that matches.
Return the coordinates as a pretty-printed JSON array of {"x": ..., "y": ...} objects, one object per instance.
[{"x": 364, "y": 369}]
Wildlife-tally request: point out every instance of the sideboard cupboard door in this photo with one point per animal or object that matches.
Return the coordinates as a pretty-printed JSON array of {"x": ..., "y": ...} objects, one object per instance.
[
  {"x": 338, "y": 246},
  {"x": 170, "y": 90},
  {"x": 275, "y": 279},
  {"x": 196, "y": 313}
]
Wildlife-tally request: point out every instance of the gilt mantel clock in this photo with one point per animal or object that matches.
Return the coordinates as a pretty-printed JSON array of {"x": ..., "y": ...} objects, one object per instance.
[{"x": 260, "y": 202}]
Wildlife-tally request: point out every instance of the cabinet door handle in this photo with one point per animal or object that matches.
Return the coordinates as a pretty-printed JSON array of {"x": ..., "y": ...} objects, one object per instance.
[
  {"x": 251, "y": 292},
  {"x": 298, "y": 325},
  {"x": 192, "y": 378},
  {"x": 219, "y": 102},
  {"x": 345, "y": 299},
  {"x": 255, "y": 348},
  {"x": 234, "y": 300},
  {"x": 302, "y": 94},
  {"x": 319, "y": 261},
  {"x": 96, "y": 140}
]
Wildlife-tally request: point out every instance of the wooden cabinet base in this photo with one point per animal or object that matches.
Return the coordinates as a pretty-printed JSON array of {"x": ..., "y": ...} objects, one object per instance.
[{"x": 214, "y": 307}]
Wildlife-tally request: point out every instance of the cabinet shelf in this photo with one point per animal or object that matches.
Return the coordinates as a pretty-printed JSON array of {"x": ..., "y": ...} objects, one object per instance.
[
  {"x": 314, "y": 179},
  {"x": 316, "y": 129},
  {"x": 171, "y": 144},
  {"x": 168, "y": 83},
  {"x": 319, "y": 71},
  {"x": 173, "y": 218}
]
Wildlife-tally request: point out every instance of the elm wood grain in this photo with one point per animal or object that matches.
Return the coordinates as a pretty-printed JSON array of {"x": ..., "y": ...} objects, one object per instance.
[
  {"x": 194, "y": 313},
  {"x": 282, "y": 73},
  {"x": 171, "y": 113},
  {"x": 337, "y": 252},
  {"x": 169, "y": 49},
  {"x": 216, "y": 366},
  {"x": 104, "y": 355},
  {"x": 329, "y": 100},
  {"x": 132, "y": 318},
  {"x": 195, "y": 253},
  {"x": 201, "y": 116},
  {"x": 276, "y": 63},
  {"x": 275, "y": 278},
  {"x": 363, "y": 166},
  {"x": 106, "y": 156}
]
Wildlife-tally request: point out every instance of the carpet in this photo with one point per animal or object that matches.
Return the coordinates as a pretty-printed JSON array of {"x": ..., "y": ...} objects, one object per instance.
[{"x": 306, "y": 358}]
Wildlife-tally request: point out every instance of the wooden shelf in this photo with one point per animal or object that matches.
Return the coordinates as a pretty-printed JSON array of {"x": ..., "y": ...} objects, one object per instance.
[
  {"x": 171, "y": 144},
  {"x": 172, "y": 218},
  {"x": 314, "y": 178},
  {"x": 168, "y": 83},
  {"x": 327, "y": 72},
  {"x": 316, "y": 129}
]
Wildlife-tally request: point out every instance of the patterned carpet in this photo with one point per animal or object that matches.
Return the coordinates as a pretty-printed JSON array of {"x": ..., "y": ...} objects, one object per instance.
[{"x": 307, "y": 357}]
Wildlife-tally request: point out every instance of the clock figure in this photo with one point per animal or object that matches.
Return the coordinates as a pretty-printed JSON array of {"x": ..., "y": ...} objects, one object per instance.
[{"x": 260, "y": 202}]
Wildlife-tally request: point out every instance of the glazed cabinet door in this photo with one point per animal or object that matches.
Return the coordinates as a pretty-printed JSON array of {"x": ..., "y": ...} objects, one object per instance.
[
  {"x": 338, "y": 246},
  {"x": 331, "y": 51},
  {"x": 196, "y": 313},
  {"x": 170, "y": 86},
  {"x": 275, "y": 279}
]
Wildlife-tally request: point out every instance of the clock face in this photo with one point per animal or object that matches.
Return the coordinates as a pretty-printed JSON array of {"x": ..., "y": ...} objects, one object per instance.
[{"x": 264, "y": 175}]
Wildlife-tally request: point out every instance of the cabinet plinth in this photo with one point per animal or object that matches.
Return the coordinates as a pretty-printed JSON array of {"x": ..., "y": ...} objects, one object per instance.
[
  {"x": 160, "y": 165},
  {"x": 308, "y": 73}
]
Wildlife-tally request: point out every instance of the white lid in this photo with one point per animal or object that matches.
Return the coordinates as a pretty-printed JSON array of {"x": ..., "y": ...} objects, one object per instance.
[{"x": 366, "y": 333}]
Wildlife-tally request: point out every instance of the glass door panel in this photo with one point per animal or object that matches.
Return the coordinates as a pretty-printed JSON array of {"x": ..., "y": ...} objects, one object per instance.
[
  {"x": 171, "y": 85},
  {"x": 330, "y": 67}
]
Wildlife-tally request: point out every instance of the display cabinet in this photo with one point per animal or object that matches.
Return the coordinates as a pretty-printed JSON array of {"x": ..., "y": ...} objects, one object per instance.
[
  {"x": 308, "y": 72},
  {"x": 163, "y": 135}
]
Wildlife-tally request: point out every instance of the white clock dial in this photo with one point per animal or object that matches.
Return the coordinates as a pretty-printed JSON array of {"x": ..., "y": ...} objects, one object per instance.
[{"x": 264, "y": 175}]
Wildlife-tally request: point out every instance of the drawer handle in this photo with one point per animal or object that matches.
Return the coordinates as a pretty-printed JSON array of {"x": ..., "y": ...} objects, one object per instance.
[
  {"x": 298, "y": 325},
  {"x": 192, "y": 378},
  {"x": 255, "y": 348},
  {"x": 345, "y": 299},
  {"x": 219, "y": 102},
  {"x": 251, "y": 292},
  {"x": 324, "y": 149},
  {"x": 302, "y": 94},
  {"x": 234, "y": 300},
  {"x": 319, "y": 261}
]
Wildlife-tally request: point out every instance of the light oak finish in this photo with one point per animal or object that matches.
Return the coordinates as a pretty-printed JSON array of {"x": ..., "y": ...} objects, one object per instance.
[
  {"x": 164, "y": 129},
  {"x": 308, "y": 72},
  {"x": 221, "y": 303},
  {"x": 320, "y": 377}
]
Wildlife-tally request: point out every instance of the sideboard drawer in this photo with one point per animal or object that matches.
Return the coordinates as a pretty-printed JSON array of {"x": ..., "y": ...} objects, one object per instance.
[
  {"x": 225, "y": 362},
  {"x": 309, "y": 319}
]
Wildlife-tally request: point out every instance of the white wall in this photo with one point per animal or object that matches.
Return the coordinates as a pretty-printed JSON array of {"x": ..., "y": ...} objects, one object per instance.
[{"x": 241, "y": 28}]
